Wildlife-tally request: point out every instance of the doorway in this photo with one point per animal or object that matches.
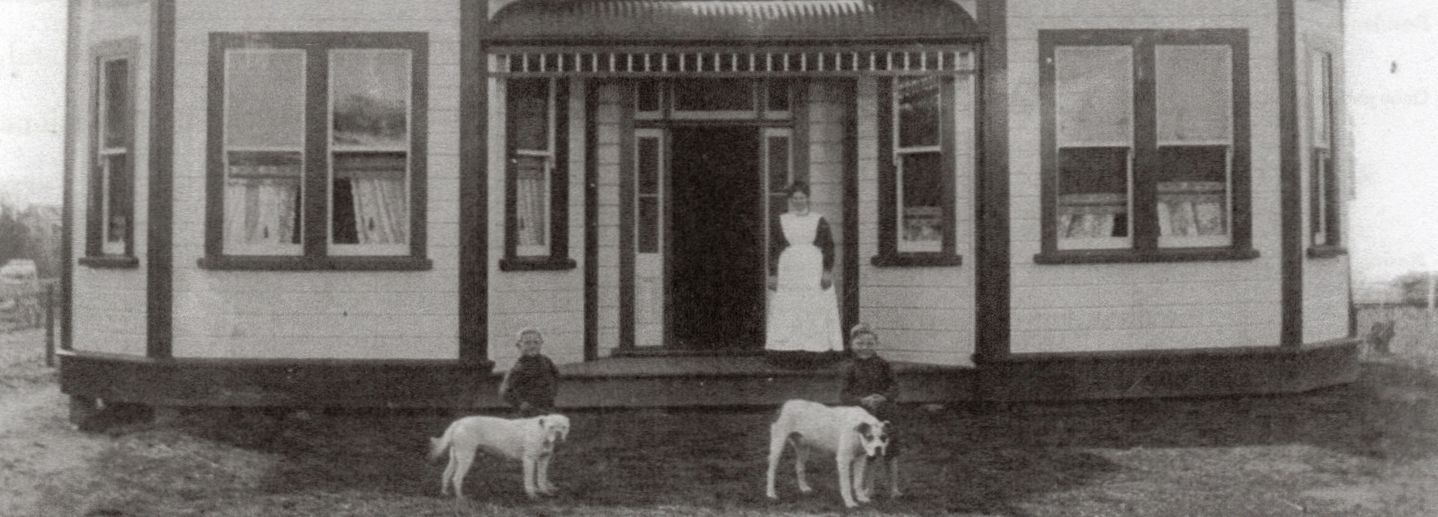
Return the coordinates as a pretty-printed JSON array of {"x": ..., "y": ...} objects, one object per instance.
[{"x": 717, "y": 249}]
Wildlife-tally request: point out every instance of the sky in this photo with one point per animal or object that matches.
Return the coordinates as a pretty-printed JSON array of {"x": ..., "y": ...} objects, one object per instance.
[{"x": 1391, "y": 53}]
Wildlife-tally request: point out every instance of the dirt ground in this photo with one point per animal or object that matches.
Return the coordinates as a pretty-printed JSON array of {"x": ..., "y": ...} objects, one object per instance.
[{"x": 1365, "y": 449}]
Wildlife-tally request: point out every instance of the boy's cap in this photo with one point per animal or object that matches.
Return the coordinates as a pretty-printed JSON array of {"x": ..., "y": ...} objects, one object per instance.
[{"x": 861, "y": 328}]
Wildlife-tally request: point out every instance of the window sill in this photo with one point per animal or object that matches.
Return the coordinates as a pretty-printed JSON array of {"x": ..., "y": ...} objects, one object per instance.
[
  {"x": 916, "y": 260},
  {"x": 110, "y": 262},
  {"x": 249, "y": 263},
  {"x": 1326, "y": 251},
  {"x": 536, "y": 264},
  {"x": 1125, "y": 256}
]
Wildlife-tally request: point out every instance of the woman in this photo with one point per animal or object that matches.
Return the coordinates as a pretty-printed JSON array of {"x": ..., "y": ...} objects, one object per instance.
[{"x": 803, "y": 320}]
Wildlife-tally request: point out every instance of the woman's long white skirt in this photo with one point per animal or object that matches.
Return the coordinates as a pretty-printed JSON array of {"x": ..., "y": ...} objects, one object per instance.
[{"x": 801, "y": 315}]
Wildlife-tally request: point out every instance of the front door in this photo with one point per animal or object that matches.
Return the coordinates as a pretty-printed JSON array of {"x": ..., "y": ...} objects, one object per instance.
[{"x": 716, "y": 267}]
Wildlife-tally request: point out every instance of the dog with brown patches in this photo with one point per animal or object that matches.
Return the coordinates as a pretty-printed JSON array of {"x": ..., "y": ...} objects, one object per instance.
[
  {"x": 530, "y": 440},
  {"x": 850, "y": 433}
]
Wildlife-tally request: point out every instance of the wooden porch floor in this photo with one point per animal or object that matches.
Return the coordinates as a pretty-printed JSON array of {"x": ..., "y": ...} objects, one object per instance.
[{"x": 740, "y": 380}]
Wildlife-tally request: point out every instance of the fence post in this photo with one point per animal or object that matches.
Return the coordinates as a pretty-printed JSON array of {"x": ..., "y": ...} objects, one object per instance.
[{"x": 50, "y": 324}]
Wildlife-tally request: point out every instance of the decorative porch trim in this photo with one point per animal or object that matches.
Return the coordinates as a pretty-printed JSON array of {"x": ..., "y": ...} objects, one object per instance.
[{"x": 727, "y": 61}]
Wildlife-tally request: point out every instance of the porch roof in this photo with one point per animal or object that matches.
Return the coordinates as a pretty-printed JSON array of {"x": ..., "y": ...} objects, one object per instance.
[{"x": 731, "y": 21}]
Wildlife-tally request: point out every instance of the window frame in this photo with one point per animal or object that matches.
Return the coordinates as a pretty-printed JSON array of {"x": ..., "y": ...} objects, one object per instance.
[
  {"x": 555, "y": 256},
  {"x": 890, "y": 153},
  {"x": 102, "y": 191},
  {"x": 317, "y": 249},
  {"x": 1143, "y": 217},
  {"x": 1324, "y": 201}
]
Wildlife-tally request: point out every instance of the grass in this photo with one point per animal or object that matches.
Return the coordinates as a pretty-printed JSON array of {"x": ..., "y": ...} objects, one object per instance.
[{"x": 1367, "y": 448}]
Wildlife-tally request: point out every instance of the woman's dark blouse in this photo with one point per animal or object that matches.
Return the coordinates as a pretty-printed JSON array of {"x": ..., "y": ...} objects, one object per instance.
[{"x": 823, "y": 239}]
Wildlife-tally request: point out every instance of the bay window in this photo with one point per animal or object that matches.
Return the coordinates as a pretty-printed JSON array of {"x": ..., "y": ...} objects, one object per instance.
[
  {"x": 110, "y": 208},
  {"x": 316, "y": 151},
  {"x": 918, "y": 125},
  {"x": 1323, "y": 220},
  {"x": 536, "y": 174},
  {"x": 1144, "y": 145}
]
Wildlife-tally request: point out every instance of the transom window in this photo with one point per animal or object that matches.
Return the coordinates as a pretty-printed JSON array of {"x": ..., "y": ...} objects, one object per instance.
[
  {"x": 111, "y": 205},
  {"x": 1145, "y": 144},
  {"x": 317, "y": 150}
]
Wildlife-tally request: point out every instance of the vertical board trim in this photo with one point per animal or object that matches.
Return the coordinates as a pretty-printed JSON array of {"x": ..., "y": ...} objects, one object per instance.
[{"x": 159, "y": 242}]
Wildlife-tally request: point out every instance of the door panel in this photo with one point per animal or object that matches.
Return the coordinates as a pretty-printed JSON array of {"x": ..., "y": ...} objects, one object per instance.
[{"x": 717, "y": 246}]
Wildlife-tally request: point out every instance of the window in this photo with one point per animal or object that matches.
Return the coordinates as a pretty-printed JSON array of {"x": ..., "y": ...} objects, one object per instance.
[
  {"x": 917, "y": 174},
  {"x": 537, "y": 180},
  {"x": 110, "y": 221},
  {"x": 316, "y": 151},
  {"x": 1145, "y": 145},
  {"x": 1323, "y": 219}
]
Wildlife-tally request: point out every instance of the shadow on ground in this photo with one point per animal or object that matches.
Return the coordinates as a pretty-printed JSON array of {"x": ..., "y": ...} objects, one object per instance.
[{"x": 977, "y": 458}]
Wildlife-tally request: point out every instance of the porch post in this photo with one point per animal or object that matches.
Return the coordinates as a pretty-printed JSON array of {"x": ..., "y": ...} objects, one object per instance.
[{"x": 473, "y": 184}]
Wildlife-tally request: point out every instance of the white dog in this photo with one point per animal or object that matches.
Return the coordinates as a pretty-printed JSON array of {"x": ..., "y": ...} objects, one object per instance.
[
  {"x": 530, "y": 440},
  {"x": 850, "y": 433}
]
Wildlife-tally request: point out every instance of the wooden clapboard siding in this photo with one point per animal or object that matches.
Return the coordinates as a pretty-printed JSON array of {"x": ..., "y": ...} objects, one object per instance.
[
  {"x": 108, "y": 305},
  {"x": 1181, "y": 304},
  {"x": 1326, "y": 296},
  {"x": 316, "y": 314},
  {"x": 607, "y": 114},
  {"x": 551, "y": 301},
  {"x": 922, "y": 314},
  {"x": 825, "y": 106}
]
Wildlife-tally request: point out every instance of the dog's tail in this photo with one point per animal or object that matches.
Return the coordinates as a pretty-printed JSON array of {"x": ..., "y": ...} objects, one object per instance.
[{"x": 437, "y": 446}]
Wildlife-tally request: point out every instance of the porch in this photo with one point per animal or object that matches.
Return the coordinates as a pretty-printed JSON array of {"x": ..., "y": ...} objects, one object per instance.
[{"x": 689, "y": 380}]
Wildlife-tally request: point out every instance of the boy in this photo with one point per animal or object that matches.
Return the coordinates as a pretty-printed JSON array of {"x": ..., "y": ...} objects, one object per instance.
[
  {"x": 868, "y": 379},
  {"x": 531, "y": 384},
  {"x": 869, "y": 383}
]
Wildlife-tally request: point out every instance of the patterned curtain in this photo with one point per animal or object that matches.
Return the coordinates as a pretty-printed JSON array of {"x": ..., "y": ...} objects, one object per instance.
[
  {"x": 260, "y": 211},
  {"x": 381, "y": 212},
  {"x": 529, "y": 207}
]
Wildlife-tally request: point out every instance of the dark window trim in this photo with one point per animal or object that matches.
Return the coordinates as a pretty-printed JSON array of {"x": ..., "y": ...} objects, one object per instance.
[
  {"x": 264, "y": 263},
  {"x": 127, "y": 50},
  {"x": 889, "y": 254},
  {"x": 1321, "y": 252},
  {"x": 558, "y": 258},
  {"x": 1331, "y": 195},
  {"x": 316, "y": 227},
  {"x": 110, "y": 262},
  {"x": 1145, "y": 224}
]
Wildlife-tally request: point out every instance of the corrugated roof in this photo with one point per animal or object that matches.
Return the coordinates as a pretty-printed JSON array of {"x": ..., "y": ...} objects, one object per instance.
[{"x": 730, "y": 20}]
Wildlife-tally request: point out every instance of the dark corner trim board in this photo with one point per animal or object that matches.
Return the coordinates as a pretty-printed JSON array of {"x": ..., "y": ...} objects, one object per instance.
[
  {"x": 473, "y": 190},
  {"x": 991, "y": 239},
  {"x": 1290, "y": 179},
  {"x": 159, "y": 242},
  {"x": 67, "y": 200},
  {"x": 1127, "y": 256},
  {"x": 591, "y": 224}
]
